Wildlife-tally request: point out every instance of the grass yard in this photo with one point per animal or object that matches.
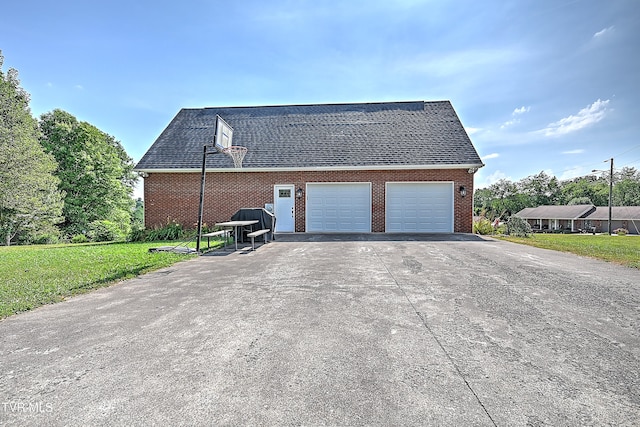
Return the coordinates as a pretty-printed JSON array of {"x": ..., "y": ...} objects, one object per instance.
[
  {"x": 623, "y": 250},
  {"x": 31, "y": 276}
]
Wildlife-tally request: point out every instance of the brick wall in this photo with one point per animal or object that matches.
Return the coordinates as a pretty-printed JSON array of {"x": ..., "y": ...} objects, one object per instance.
[{"x": 175, "y": 196}]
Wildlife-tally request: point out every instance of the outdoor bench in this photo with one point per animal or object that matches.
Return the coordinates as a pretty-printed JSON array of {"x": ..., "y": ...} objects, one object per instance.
[
  {"x": 257, "y": 233},
  {"x": 224, "y": 233}
]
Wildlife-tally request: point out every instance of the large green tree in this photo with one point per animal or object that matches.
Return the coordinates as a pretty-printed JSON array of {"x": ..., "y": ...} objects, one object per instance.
[
  {"x": 95, "y": 173},
  {"x": 626, "y": 188},
  {"x": 502, "y": 199},
  {"x": 584, "y": 190},
  {"x": 541, "y": 189},
  {"x": 30, "y": 202},
  {"x": 505, "y": 197}
]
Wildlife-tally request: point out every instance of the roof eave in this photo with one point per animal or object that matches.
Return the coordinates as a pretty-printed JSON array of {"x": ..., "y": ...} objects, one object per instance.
[{"x": 472, "y": 167}]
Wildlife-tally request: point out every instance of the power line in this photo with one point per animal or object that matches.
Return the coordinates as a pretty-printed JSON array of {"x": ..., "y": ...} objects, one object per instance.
[
  {"x": 594, "y": 165},
  {"x": 631, "y": 163},
  {"x": 629, "y": 150}
]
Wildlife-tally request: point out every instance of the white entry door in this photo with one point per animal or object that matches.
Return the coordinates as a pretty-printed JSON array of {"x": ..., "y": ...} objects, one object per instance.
[{"x": 284, "y": 209}]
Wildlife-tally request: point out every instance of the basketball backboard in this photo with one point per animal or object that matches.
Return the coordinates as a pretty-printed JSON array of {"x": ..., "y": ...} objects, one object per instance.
[{"x": 224, "y": 134}]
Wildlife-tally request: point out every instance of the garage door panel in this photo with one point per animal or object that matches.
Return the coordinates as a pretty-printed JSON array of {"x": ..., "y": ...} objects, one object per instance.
[
  {"x": 419, "y": 207},
  {"x": 333, "y": 207}
]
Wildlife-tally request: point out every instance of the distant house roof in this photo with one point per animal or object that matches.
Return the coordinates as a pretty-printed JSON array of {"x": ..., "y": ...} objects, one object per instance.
[
  {"x": 601, "y": 213},
  {"x": 389, "y": 135},
  {"x": 556, "y": 212},
  {"x": 524, "y": 213}
]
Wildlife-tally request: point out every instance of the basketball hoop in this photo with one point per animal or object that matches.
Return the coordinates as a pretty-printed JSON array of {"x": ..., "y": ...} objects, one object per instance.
[{"x": 237, "y": 153}]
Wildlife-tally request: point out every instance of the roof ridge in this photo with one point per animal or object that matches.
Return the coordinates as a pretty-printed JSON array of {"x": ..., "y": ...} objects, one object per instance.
[{"x": 319, "y": 104}]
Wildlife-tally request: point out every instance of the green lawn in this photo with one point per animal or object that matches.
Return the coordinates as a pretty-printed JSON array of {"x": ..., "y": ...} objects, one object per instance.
[
  {"x": 623, "y": 250},
  {"x": 31, "y": 276}
]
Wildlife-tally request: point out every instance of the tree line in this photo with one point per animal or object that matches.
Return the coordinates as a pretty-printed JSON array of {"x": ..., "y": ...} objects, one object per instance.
[
  {"x": 505, "y": 197},
  {"x": 60, "y": 178}
]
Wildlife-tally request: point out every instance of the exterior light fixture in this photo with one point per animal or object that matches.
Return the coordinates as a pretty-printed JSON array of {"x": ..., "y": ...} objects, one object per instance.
[
  {"x": 299, "y": 193},
  {"x": 463, "y": 191}
]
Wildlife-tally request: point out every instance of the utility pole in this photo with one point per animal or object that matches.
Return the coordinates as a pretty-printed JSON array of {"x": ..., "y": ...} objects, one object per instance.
[
  {"x": 610, "y": 190},
  {"x": 610, "y": 194}
]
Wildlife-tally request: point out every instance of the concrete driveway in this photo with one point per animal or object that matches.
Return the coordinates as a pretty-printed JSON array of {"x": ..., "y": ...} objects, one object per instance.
[{"x": 364, "y": 330}]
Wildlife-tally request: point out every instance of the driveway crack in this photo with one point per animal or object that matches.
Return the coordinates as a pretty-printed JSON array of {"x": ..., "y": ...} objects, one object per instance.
[{"x": 424, "y": 322}]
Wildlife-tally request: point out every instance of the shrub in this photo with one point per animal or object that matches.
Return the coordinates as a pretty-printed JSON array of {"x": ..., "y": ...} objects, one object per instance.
[
  {"x": 137, "y": 234},
  {"x": 483, "y": 226},
  {"x": 38, "y": 236},
  {"x": 518, "y": 227},
  {"x": 621, "y": 231},
  {"x": 171, "y": 231},
  {"x": 79, "y": 238},
  {"x": 45, "y": 238},
  {"x": 105, "y": 231}
]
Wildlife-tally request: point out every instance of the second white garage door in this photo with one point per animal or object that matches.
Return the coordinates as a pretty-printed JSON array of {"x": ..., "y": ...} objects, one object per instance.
[
  {"x": 425, "y": 207},
  {"x": 339, "y": 207}
]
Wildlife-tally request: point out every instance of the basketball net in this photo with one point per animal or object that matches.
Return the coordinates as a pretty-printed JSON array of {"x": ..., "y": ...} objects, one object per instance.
[{"x": 237, "y": 153}]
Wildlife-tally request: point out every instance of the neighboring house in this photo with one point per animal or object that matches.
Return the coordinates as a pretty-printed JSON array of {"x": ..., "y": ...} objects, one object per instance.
[
  {"x": 370, "y": 167},
  {"x": 556, "y": 218},
  {"x": 582, "y": 218},
  {"x": 627, "y": 217}
]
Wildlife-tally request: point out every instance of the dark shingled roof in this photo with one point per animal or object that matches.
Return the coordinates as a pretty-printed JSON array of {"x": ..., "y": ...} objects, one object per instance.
[
  {"x": 617, "y": 213},
  {"x": 556, "y": 212},
  {"x": 581, "y": 212},
  {"x": 384, "y": 135}
]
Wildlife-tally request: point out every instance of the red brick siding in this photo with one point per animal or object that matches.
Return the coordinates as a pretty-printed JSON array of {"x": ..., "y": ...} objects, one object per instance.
[{"x": 175, "y": 196}]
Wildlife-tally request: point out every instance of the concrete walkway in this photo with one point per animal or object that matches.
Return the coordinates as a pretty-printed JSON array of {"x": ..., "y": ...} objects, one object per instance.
[{"x": 338, "y": 330}]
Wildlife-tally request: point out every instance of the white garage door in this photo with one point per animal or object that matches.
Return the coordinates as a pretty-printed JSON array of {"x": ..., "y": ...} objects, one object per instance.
[
  {"x": 339, "y": 207},
  {"x": 419, "y": 207}
]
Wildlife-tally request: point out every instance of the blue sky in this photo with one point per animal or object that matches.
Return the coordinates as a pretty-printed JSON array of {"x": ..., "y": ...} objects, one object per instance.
[{"x": 549, "y": 85}]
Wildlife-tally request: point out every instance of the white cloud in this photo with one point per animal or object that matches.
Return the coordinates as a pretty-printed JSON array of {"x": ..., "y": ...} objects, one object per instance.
[
  {"x": 584, "y": 118},
  {"x": 578, "y": 151},
  {"x": 509, "y": 123},
  {"x": 603, "y": 32},
  {"x": 490, "y": 156},
  {"x": 520, "y": 110},
  {"x": 79, "y": 87},
  {"x": 471, "y": 131},
  {"x": 516, "y": 112}
]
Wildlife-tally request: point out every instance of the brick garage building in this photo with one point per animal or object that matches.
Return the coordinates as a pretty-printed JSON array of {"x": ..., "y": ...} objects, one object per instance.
[{"x": 370, "y": 167}]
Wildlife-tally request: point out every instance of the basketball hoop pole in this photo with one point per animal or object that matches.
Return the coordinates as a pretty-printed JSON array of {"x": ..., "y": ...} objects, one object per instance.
[
  {"x": 201, "y": 207},
  {"x": 202, "y": 180}
]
